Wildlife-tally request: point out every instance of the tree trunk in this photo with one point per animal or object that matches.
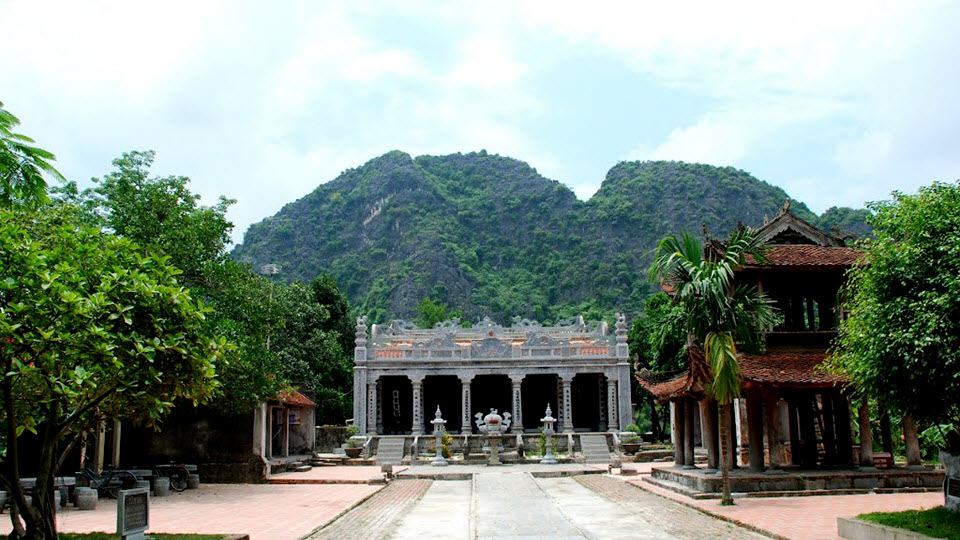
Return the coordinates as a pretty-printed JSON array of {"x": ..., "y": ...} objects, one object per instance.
[
  {"x": 725, "y": 455},
  {"x": 654, "y": 419},
  {"x": 41, "y": 523}
]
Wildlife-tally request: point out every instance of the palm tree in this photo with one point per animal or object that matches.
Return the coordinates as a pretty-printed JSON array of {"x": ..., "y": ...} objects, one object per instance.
[
  {"x": 717, "y": 314},
  {"x": 22, "y": 166}
]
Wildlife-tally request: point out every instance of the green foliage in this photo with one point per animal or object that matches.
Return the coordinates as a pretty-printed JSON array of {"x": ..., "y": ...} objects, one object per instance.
[
  {"x": 714, "y": 313},
  {"x": 935, "y": 522},
  {"x": 430, "y": 312},
  {"x": 901, "y": 341},
  {"x": 844, "y": 221},
  {"x": 90, "y": 327},
  {"x": 22, "y": 166},
  {"x": 489, "y": 236},
  {"x": 656, "y": 339},
  {"x": 542, "y": 444}
]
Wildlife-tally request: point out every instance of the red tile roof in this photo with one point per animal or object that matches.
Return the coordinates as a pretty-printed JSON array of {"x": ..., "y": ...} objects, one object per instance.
[
  {"x": 294, "y": 399},
  {"x": 788, "y": 368},
  {"x": 678, "y": 386},
  {"x": 809, "y": 256}
]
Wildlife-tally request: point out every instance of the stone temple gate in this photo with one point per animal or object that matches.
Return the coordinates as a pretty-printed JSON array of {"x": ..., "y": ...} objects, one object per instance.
[{"x": 404, "y": 373}]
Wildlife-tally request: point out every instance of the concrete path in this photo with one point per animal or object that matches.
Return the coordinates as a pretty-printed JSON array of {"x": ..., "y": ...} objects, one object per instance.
[{"x": 505, "y": 504}]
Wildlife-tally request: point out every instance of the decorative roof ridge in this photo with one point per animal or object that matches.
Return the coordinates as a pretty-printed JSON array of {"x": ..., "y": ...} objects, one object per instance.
[{"x": 785, "y": 219}]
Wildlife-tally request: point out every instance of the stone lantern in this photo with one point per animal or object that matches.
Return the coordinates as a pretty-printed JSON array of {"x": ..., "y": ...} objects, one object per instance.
[
  {"x": 548, "y": 421},
  {"x": 438, "y": 422}
]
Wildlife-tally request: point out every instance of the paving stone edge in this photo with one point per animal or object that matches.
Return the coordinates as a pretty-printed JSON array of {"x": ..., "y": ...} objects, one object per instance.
[
  {"x": 341, "y": 513},
  {"x": 721, "y": 517}
]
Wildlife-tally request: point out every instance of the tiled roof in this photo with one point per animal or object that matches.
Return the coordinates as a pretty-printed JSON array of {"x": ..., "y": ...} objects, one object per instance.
[
  {"x": 788, "y": 368},
  {"x": 809, "y": 256},
  {"x": 294, "y": 399},
  {"x": 679, "y": 385}
]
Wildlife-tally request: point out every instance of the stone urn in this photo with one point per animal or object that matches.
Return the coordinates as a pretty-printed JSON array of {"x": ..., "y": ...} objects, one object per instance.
[{"x": 951, "y": 481}]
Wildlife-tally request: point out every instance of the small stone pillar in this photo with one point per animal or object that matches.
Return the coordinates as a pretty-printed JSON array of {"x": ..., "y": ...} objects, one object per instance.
[
  {"x": 755, "y": 430},
  {"x": 689, "y": 412},
  {"x": 866, "y": 436},
  {"x": 708, "y": 425},
  {"x": 912, "y": 444}
]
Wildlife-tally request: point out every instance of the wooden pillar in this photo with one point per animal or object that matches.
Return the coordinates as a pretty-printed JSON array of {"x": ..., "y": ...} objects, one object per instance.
[
  {"x": 808, "y": 433},
  {"x": 772, "y": 421},
  {"x": 755, "y": 430},
  {"x": 286, "y": 431},
  {"x": 697, "y": 423},
  {"x": 689, "y": 412},
  {"x": 829, "y": 433},
  {"x": 844, "y": 435},
  {"x": 796, "y": 450},
  {"x": 708, "y": 431},
  {"x": 866, "y": 436},
  {"x": 811, "y": 321},
  {"x": 116, "y": 443},
  {"x": 100, "y": 441},
  {"x": 676, "y": 428},
  {"x": 825, "y": 308},
  {"x": 911, "y": 442}
]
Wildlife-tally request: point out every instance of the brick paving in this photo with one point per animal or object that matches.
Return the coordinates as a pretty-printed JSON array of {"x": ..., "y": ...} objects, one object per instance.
[
  {"x": 675, "y": 519},
  {"x": 801, "y": 517},
  {"x": 378, "y": 516},
  {"x": 265, "y": 512}
]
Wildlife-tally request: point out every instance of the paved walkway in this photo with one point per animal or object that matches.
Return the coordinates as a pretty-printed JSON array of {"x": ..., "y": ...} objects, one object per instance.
[
  {"x": 802, "y": 517},
  {"x": 265, "y": 512},
  {"x": 510, "y": 503}
]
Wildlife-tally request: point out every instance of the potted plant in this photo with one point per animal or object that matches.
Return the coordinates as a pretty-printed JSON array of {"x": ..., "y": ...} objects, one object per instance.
[
  {"x": 630, "y": 440},
  {"x": 353, "y": 446}
]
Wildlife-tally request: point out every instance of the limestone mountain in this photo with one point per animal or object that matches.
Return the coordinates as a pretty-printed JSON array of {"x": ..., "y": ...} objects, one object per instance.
[{"x": 488, "y": 235}]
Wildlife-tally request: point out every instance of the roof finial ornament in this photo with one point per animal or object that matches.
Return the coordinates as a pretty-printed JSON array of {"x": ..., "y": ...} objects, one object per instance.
[{"x": 786, "y": 207}]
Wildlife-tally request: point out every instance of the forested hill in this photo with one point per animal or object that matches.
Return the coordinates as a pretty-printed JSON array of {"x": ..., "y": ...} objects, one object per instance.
[{"x": 488, "y": 235}]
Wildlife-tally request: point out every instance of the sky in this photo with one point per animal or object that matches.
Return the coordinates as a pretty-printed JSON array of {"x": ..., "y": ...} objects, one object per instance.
[{"x": 839, "y": 103}]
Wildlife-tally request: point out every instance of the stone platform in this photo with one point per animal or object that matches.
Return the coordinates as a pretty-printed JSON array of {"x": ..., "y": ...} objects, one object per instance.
[
  {"x": 466, "y": 472},
  {"x": 706, "y": 484}
]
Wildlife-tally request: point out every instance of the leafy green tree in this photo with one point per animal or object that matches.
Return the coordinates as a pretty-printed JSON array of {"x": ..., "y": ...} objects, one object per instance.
[
  {"x": 22, "y": 166},
  {"x": 160, "y": 214},
  {"x": 90, "y": 327},
  {"x": 312, "y": 346},
  {"x": 901, "y": 341},
  {"x": 655, "y": 350},
  {"x": 430, "y": 312},
  {"x": 717, "y": 314}
]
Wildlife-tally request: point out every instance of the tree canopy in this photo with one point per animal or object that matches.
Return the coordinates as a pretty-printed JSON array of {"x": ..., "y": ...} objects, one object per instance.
[
  {"x": 901, "y": 340},
  {"x": 22, "y": 166},
  {"x": 90, "y": 327}
]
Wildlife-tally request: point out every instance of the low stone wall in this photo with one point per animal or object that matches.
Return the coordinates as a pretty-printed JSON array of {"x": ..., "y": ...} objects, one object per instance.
[
  {"x": 330, "y": 437},
  {"x": 855, "y": 529},
  {"x": 745, "y": 482}
]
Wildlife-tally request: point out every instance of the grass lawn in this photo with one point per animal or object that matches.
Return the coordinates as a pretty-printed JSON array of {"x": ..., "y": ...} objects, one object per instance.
[
  {"x": 936, "y": 522},
  {"x": 157, "y": 536}
]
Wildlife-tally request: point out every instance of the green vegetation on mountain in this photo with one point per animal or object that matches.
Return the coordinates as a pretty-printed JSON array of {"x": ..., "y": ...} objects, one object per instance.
[{"x": 488, "y": 235}]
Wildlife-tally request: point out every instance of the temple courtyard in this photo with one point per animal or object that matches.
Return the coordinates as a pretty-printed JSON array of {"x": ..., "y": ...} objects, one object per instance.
[{"x": 519, "y": 501}]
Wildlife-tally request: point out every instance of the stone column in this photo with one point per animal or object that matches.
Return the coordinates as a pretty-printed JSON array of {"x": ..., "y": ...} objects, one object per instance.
[
  {"x": 624, "y": 399},
  {"x": 772, "y": 420},
  {"x": 755, "y": 430},
  {"x": 676, "y": 430},
  {"x": 602, "y": 402},
  {"x": 689, "y": 412},
  {"x": 380, "y": 406},
  {"x": 612, "y": 408},
  {"x": 466, "y": 419},
  {"x": 866, "y": 436},
  {"x": 567, "y": 406},
  {"x": 372, "y": 408},
  {"x": 517, "y": 426},
  {"x": 360, "y": 398},
  {"x": 417, "y": 424},
  {"x": 911, "y": 442},
  {"x": 708, "y": 431}
]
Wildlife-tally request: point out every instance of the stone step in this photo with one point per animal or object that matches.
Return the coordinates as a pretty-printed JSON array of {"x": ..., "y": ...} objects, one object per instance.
[
  {"x": 390, "y": 451},
  {"x": 595, "y": 448},
  {"x": 300, "y": 468}
]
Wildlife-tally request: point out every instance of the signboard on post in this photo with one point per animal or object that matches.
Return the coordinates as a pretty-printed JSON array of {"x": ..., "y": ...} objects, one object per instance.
[{"x": 133, "y": 513}]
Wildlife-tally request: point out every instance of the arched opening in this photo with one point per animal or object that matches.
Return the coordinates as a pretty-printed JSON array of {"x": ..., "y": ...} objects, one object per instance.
[
  {"x": 442, "y": 391},
  {"x": 586, "y": 401},
  {"x": 538, "y": 391},
  {"x": 490, "y": 392},
  {"x": 396, "y": 403}
]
